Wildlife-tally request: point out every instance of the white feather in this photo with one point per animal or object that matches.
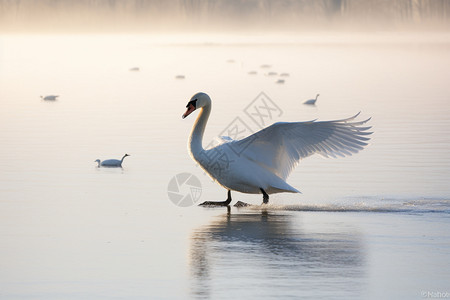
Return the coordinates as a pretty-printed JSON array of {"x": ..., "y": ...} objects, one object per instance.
[{"x": 281, "y": 146}]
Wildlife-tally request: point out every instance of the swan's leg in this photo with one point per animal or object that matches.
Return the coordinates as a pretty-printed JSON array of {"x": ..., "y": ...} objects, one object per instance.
[
  {"x": 218, "y": 203},
  {"x": 265, "y": 196}
]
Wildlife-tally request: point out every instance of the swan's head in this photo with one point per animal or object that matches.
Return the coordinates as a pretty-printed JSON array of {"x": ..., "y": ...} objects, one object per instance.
[{"x": 197, "y": 101}]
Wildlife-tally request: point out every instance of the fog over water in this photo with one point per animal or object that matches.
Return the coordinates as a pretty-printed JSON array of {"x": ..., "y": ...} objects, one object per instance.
[{"x": 176, "y": 15}]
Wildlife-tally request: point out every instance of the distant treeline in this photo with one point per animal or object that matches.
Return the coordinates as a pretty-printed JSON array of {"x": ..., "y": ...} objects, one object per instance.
[{"x": 215, "y": 13}]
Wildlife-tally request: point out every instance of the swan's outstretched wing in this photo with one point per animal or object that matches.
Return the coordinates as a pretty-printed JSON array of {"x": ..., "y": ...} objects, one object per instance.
[{"x": 280, "y": 146}]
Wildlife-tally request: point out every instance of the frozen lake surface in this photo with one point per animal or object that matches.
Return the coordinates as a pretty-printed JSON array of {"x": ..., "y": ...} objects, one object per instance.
[{"x": 374, "y": 225}]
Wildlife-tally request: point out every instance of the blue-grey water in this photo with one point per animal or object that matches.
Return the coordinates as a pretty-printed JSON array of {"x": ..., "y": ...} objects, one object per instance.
[{"x": 372, "y": 226}]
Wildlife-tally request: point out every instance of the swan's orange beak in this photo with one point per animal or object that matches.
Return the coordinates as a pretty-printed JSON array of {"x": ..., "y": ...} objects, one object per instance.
[{"x": 190, "y": 109}]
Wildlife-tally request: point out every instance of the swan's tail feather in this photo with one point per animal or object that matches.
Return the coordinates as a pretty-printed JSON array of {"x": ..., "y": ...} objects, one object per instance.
[{"x": 283, "y": 188}]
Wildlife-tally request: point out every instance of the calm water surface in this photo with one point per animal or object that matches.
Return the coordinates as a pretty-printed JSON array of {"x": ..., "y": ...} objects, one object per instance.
[{"x": 374, "y": 225}]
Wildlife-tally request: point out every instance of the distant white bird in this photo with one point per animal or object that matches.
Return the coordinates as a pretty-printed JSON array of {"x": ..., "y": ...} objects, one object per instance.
[
  {"x": 311, "y": 101},
  {"x": 260, "y": 163},
  {"x": 135, "y": 69},
  {"x": 50, "y": 97},
  {"x": 111, "y": 163}
]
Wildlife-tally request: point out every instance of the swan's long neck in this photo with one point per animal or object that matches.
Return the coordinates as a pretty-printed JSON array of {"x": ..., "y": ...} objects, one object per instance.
[
  {"x": 121, "y": 161},
  {"x": 195, "y": 140}
]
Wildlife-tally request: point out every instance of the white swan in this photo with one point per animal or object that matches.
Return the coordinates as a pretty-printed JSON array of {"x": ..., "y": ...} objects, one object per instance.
[
  {"x": 261, "y": 162},
  {"x": 50, "y": 97},
  {"x": 111, "y": 163},
  {"x": 311, "y": 101}
]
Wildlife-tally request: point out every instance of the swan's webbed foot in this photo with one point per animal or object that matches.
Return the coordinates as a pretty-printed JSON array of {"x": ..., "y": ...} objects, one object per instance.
[
  {"x": 218, "y": 203},
  {"x": 265, "y": 196},
  {"x": 241, "y": 204}
]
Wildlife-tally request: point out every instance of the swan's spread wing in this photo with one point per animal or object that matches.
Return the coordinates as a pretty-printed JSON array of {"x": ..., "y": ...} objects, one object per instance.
[{"x": 280, "y": 146}]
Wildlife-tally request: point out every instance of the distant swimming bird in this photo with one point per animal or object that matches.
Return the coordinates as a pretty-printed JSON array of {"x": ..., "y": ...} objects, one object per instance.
[
  {"x": 280, "y": 81},
  {"x": 135, "y": 69},
  {"x": 261, "y": 162},
  {"x": 111, "y": 163},
  {"x": 311, "y": 101},
  {"x": 180, "y": 77},
  {"x": 284, "y": 74},
  {"x": 50, "y": 97}
]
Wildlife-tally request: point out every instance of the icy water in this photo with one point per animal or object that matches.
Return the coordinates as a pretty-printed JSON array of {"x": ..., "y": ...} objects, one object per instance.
[{"x": 372, "y": 226}]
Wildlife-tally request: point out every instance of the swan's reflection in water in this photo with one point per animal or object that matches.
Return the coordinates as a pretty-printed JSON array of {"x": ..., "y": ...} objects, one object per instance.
[{"x": 271, "y": 254}]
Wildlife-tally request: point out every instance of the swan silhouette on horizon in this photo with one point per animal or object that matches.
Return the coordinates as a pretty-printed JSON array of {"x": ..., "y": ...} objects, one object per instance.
[
  {"x": 111, "y": 163},
  {"x": 261, "y": 162},
  {"x": 311, "y": 101}
]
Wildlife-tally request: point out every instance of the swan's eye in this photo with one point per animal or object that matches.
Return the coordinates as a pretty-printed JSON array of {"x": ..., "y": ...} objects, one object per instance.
[{"x": 193, "y": 102}]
